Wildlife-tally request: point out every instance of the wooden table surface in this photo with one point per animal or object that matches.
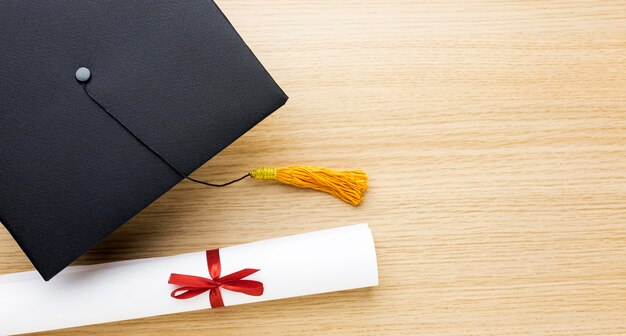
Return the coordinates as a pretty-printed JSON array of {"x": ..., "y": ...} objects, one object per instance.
[{"x": 494, "y": 133}]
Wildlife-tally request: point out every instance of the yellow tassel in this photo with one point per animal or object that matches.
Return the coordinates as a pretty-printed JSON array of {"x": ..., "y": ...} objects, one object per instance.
[{"x": 347, "y": 185}]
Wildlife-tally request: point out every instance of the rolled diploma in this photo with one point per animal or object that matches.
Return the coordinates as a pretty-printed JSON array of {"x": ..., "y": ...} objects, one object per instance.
[{"x": 311, "y": 263}]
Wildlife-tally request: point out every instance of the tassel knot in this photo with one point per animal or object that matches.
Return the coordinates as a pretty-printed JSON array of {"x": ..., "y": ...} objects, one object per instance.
[{"x": 264, "y": 174}]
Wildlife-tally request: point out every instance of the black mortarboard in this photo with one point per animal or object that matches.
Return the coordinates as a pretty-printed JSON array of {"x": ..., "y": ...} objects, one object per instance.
[{"x": 169, "y": 84}]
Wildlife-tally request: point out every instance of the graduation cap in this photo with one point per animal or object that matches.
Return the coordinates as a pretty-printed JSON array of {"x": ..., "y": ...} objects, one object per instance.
[{"x": 107, "y": 104}]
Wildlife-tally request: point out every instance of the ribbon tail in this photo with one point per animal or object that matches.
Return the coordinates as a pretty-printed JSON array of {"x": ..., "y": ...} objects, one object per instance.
[
  {"x": 238, "y": 275},
  {"x": 190, "y": 281},
  {"x": 248, "y": 287},
  {"x": 215, "y": 297}
]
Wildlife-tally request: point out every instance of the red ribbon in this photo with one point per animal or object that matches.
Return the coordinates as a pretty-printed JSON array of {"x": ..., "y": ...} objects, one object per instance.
[{"x": 193, "y": 286}]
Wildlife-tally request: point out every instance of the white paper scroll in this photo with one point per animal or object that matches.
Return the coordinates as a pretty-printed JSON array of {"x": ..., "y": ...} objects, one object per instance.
[{"x": 310, "y": 263}]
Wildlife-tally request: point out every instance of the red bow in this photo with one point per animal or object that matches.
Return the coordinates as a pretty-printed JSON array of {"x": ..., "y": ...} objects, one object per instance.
[{"x": 193, "y": 286}]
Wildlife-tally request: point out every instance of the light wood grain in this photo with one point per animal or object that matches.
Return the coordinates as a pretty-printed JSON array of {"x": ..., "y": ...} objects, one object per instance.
[{"x": 494, "y": 133}]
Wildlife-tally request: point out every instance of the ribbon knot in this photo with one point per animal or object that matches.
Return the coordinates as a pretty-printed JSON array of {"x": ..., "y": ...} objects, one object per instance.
[{"x": 192, "y": 286}]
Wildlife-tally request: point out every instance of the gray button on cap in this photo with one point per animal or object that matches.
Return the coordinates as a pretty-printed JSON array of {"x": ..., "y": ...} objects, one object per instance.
[{"x": 83, "y": 74}]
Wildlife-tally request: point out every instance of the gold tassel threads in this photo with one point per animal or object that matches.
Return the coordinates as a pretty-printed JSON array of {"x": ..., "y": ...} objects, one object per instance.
[{"x": 347, "y": 185}]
